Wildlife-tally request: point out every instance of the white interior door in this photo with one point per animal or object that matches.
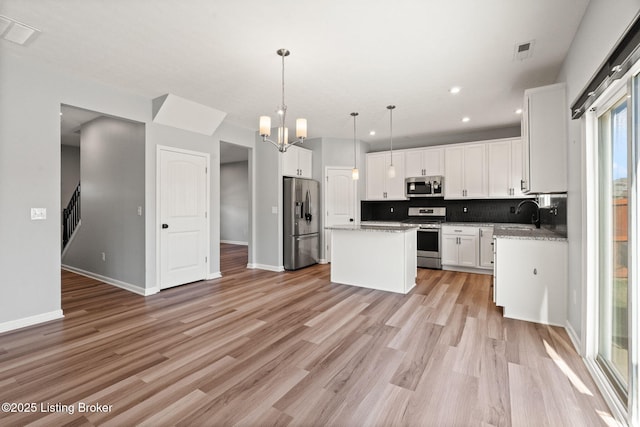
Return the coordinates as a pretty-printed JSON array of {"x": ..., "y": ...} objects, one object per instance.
[
  {"x": 340, "y": 202},
  {"x": 183, "y": 204}
]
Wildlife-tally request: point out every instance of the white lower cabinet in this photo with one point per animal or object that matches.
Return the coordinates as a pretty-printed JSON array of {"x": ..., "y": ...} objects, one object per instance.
[
  {"x": 531, "y": 279},
  {"x": 460, "y": 246}
]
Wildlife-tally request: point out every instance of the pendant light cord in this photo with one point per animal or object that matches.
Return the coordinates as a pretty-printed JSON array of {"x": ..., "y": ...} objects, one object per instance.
[
  {"x": 283, "y": 107},
  {"x": 391, "y": 107}
]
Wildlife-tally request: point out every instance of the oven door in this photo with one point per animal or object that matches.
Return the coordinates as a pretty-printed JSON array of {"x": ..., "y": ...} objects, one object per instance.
[{"x": 429, "y": 242}]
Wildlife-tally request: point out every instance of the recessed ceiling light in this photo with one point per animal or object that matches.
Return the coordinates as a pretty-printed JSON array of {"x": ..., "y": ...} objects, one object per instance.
[
  {"x": 373, "y": 132},
  {"x": 454, "y": 90},
  {"x": 518, "y": 111},
  {"x": 465, "y": 119}
]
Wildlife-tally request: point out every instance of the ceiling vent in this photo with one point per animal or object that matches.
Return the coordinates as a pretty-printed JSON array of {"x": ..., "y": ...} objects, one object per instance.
[
  {"x": 16, "y": 32},
  {"x": 524, "y": 50}
]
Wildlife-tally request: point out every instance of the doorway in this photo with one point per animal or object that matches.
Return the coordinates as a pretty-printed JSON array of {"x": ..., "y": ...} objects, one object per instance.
[{"x": 235, "y": 205}]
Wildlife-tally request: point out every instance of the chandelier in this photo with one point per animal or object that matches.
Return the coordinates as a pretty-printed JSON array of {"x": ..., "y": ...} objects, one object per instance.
[{"x": 282, "y": 143}]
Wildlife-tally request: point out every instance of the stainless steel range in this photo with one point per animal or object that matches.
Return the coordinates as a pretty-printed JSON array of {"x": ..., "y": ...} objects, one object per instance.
[{"x": 429, "y": 219}]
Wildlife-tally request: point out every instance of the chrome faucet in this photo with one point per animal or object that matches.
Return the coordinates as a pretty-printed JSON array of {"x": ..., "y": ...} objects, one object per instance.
[{"x": 534, "y": 219}]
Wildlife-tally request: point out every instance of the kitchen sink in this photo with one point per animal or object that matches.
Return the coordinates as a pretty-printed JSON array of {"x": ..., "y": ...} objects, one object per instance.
[{"x": 517, "y": 227}]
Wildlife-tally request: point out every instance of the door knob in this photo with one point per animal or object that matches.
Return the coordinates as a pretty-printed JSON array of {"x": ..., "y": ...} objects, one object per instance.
[{"x": 165, "y": 225}]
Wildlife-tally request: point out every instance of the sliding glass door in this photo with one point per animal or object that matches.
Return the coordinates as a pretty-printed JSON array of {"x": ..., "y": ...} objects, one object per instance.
[
  {"x": 613, "y": 197},
  {"x": 614, "y": 233}
]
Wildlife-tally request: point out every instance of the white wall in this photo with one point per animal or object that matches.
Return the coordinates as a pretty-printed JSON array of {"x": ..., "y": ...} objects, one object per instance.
[
  {"x": 112, "y": 175},
  {"x": 603, "y": 24},
  {"x": 234, "y": 202},
  {"x": 30, "y": 163}
]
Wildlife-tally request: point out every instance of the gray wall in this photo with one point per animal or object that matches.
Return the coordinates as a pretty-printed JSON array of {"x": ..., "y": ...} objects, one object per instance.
[
  {"x": 449, "y": 138},
  {"x": 30, "y": 155},
  {"x": 602, "y": 25},
  {"x": 234, "y": 202},
  {"x": 113, "y": 187},
  {"x": 69, "y": 172},
  {"x": 267, "y": 182}
]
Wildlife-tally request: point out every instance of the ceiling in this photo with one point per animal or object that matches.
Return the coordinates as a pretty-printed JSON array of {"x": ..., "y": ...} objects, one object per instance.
[{"x": 346, "y": 55}]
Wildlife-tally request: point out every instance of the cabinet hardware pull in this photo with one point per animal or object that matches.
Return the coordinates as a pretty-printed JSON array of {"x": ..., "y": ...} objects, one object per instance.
[{"x": 535, "y": 271}]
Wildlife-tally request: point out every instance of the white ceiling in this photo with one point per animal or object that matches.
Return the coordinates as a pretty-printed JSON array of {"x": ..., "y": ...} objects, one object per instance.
[{"x": 346, "y": 55}]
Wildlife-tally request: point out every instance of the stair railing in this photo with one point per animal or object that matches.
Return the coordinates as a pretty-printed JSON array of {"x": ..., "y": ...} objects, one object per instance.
[{"x": 71, "y": 217}]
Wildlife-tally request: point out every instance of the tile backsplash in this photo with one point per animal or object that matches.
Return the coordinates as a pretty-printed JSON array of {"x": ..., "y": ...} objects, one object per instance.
[
  {"x": 494, "y": 210},
  {"x": 553, "y": 212}
]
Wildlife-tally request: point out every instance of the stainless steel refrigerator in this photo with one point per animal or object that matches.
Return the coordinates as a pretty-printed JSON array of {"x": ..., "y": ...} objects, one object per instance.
[{"x": 301, "y": 222}]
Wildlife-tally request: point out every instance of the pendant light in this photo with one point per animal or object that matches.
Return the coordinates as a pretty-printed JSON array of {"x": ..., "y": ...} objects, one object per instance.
[
  {"x": 391, "y": 172},
  {"x": 282, "y": 144},
  {"x": 355, "y": 174}
]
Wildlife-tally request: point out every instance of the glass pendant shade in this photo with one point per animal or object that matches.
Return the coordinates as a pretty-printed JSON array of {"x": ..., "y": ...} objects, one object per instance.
[{"x": 391, "y": 172}]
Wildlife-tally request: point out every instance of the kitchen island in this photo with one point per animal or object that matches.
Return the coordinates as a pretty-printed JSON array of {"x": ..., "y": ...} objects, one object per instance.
[{"x": 374, "y": 256}]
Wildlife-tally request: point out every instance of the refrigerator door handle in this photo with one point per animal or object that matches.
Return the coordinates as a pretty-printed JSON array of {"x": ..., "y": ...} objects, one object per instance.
[{"x": 307, "y": 210}]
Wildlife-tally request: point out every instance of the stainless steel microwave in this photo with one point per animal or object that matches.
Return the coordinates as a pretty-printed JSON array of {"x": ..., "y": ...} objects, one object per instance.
[{"x": 424, "y": 186}]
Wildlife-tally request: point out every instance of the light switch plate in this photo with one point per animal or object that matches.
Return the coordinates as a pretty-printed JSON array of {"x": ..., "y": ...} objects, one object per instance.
[
  {"x": 38, "y": 213},
  {"x": 274, "y": 209}
]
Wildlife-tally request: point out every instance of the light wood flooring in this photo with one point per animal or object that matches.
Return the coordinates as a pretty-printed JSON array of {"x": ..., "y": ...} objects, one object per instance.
[{"x": 263, "y": 348}]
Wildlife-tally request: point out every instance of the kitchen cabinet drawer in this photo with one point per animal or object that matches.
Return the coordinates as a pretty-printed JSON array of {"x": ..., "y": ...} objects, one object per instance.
[{"x": 460, "y": 230}]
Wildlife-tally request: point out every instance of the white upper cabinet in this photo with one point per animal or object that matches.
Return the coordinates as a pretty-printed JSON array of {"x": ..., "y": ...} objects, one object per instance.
[
  {"x": 505, "y": 168},
  {"x": 544, "y": 132},
  {"x": 424, "y": 162},
  {"x": 379, "y": 185},
  {"x": 465, "y": 172},
  {"x": 297, "y": 161}
]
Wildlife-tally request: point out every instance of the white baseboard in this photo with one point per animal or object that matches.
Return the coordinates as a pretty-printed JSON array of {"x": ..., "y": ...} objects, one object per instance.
[
  {"x": 323, "y": 261},
  {"x": 277, "y": 269},
  {"x": 212, "y": 276},
  {"x": 114, "y": 282},
  {"x": 574, "y": 338},
  {"x": 235, "y": 242},
  {"x": 30, "y": 321}
]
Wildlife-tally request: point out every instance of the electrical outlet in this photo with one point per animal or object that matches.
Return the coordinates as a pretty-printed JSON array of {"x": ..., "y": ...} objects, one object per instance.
[
  {"x": 391, "y": 210},
  {"x": 104, "y": 256},
  {"x": 465, "y": 210},
  {"x": 139, "y": 210}
]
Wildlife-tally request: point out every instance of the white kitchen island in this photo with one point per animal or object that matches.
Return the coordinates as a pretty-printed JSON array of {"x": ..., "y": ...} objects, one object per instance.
[{"x": 375, "y": 257}]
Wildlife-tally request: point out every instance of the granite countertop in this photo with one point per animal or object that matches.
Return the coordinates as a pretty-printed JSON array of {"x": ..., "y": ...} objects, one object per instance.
[
  {"x": 400, "y": 228},
  {"x": 500, "y": 229},
  {"x": 525, "y": 232}
]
